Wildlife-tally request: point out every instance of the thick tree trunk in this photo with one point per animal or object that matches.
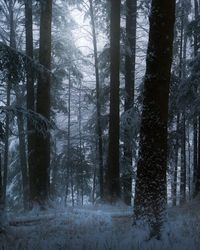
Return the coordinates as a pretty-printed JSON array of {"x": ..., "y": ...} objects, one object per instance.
[
  {"x": 150, "y": 190},
  {"x": 98, "y": 100},
  {"x": 42, "y": 148},
  {"x": 1, "y": 187},
  {"x": 112, "y": 179},
  {"x": 195, "y": 121},
  {"x": 131, "y": 16},
  {"x": 183, "y": 137},
  {"x": 30, "y": 99}
]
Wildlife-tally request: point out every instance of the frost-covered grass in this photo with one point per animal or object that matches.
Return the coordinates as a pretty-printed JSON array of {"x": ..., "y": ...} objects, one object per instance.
[{"x": 101, "y": 227}]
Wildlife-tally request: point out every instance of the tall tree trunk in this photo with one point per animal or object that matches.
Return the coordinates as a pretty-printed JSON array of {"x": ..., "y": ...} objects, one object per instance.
[
  {"x": 112, "y": 179},
  {"x": 20, "y": 120},
  {"x": 150, "y": 190},
  {"x": 69, "y": 167},
  {"x": 183, "y": 137},
  {"x": 1, "y": 187},
  {"x": 195, "y": 156},
  {"x": 30, "y": 99},
  {"x": 80, "y": 143},
  {"x": 6, "y": 146},
  {"x": 131, "y": 16},
  {"x": 98, "y": 101},
  {"x": 189, "y": 163},
  {"x": 42, "y": 148},
  {"x": 195, "y": 120},
  {"x": 55, "y": 168},
  {"x": 94, "y": 185},
  {"x": 9, "y": 84},
  {"x": 197, "y": 182},
  {"x": 22, "y": 150},
  {"x": 183, "y": 162},
  {"x": 174, "y": 185}
]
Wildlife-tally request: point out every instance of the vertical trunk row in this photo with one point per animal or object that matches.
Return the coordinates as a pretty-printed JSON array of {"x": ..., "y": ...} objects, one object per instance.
[
  {"x": 131, "y": 15},
  {"x": 150, "y": 190},
  {"x": 112, "y": 178},
  {"x": 98, "y": 101},
  {"x": 42, "y": 148}
]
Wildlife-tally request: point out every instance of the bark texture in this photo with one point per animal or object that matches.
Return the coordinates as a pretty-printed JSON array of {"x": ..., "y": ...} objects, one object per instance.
[
  {"x": 112, "y": 178},
  {"x": 42, "y": 148},
  {"x": 30, "y": 98},
  {"x": 131, "y": 16},
  {"x": 98, "y": 102},
  {"x": 150, "y": 191}
]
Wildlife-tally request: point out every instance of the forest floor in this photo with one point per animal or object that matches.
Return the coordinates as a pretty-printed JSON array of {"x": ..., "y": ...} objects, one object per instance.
[{"x": 100, "y": 227}]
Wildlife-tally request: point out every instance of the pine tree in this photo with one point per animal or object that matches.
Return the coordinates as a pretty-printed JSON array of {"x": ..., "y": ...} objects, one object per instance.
[
  {"x": 150, "y": 190},
  {"x": 30, "y": 96},
  {"x": 131, "y": 15},
  {"x": 196, "y": 164},
  {"x": 42, "y": 145},
  {"x": 112, "y": 179},
  {"x": 98, "y": 101}
]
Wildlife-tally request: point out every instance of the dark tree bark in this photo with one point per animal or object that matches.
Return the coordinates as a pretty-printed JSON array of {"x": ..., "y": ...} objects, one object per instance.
[
  {"x": 80, "y": 144},
  {"x": 1, "y": 187},
  {"x": 150, "y": 190},
  {"x": 112, "y": 178},
  {"x": 30, "y": 98},
  {"x": 189, "y": 162},
  {"x": 6, "y": 146},
  {"x": 174, "y": 184},
  {"x": 42, "y": 148},
  {"x": 20, "y": 120},
  {"x": 98, "y": 101},
  {"x": 69, "y": 168},
  {"x": 131, "y": 16},
  {"x": 197, "y": 182},
  {"x": 22, "y": 149},
  {"x": 195, "y": 156},
  {"x": 196, "y": 163},
  {"x": 9, "y": 85},
  {"x": 183, "y": 162},
  {"x": 183, "y": 133}
]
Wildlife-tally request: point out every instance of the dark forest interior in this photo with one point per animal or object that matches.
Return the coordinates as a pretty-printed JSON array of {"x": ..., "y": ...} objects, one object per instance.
[{"x": 99, "y": 124}]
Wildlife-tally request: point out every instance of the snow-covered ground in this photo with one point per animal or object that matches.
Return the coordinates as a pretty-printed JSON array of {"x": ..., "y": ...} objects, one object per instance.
[{"x": 100, "y": 227}]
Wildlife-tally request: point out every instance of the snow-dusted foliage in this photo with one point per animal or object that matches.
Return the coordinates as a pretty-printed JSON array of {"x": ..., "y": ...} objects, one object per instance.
[{"x": 100, "y": 227}]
